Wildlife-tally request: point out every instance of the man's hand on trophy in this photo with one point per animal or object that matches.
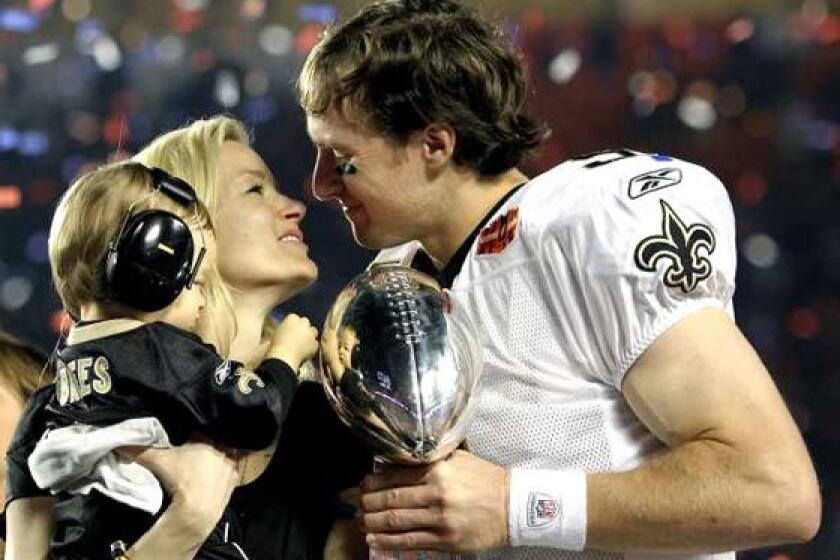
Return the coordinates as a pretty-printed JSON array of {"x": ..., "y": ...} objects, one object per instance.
[{"x": 458, "y": 505}]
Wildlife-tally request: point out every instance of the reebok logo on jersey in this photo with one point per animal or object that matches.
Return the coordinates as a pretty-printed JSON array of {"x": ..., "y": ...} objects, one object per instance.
[
  {"x": 681, "y": 246},
  {"x": 222, "y": 372},
  {"x": 542, "y": 509},
  {"x": 654, "y": 181},
  {"x": 498, "y": 235}
]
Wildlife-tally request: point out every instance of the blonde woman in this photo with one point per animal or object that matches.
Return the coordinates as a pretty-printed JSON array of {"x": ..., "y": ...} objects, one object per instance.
[
  {"x": 132, "y": 254},
  {"x": 263, "y": 261}
]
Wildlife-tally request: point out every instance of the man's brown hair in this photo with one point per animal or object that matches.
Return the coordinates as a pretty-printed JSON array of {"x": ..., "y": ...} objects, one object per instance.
[{"x": 404, "y": 64}]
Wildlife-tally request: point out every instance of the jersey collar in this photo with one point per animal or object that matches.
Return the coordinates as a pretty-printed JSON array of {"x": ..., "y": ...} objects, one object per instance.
[
  {"x": 446, "y": 277},
  {"x": 98, "y": 329}
]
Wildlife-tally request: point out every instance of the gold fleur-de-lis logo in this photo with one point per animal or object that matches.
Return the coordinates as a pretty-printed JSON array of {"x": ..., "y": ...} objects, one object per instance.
[
  {"x": 244, "y": 377},
  {"x": 686, "y": 247}
]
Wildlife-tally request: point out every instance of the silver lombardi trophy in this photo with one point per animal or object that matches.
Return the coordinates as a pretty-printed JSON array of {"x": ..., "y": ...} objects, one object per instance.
[{"x": 400, "y": 363}]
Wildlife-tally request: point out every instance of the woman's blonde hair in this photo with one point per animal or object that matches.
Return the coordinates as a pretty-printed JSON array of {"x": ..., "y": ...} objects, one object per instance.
[
  {"x": 192, "y": 153},
  {"x": 89, "y": 216},
  {"x": 21, "y": 367}
]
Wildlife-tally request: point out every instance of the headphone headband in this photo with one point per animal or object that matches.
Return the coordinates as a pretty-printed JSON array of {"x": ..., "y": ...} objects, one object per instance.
[{"x": 175, "y": 188}]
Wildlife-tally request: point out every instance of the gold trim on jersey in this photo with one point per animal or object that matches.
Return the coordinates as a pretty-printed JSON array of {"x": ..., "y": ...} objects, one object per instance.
[{"x": 85, "y": 333}]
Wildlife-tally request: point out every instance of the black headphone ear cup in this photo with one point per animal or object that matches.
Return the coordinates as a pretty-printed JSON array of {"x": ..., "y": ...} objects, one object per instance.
[{"x": 150, "y": 262}]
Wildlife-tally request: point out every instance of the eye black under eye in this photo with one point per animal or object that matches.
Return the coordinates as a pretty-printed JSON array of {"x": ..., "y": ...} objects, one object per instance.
[{"x": 345, "y": 168}]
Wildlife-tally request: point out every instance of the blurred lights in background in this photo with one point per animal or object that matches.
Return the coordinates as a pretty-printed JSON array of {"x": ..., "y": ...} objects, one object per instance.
[
  {"x": 697, "y": 112},
  {"x": 761, "y": 251},
  {"x": 277, "y": 40},
  {"x": 564, "y": 66},
  {"x": 308, "y": 37},
  {"x": 252, "y": 9},
  {"x": 15, "y": 292},
  {"x": 226, "y": 90},
  {"x": 76, "y": 10},
  {"x": 18, "y": 20},
  {"x": 36, "y": 248},
  {"x": 651, "y": 89},
  {"x": 9, "y": 138},
  {"x": 804, "y": 323},
  {"x": 106, "y": 53},
  {"x": 9, "y": 197},
  {"x": 322, "y": 13},
  {"x": 750, "y": 91},
  {"x": 740, "y": 30},
  {"x": 171, "y": 49},
  {"x": 40, "y": 54},
  {"x": 751, "y": 188}
]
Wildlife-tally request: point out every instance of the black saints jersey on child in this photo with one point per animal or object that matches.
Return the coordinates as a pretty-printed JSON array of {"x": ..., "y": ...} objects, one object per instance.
[{"x": 117, "y": 370}]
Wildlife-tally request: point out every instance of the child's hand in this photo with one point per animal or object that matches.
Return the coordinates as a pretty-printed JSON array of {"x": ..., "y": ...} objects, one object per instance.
[{"x": 295, "y": 340}]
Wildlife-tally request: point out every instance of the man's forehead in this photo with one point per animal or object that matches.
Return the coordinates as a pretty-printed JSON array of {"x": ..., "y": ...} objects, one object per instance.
[
  {"x": 317, "y": 129},
  {"x": 331, "y": 127},
  {"x": 324, "y": 126}
]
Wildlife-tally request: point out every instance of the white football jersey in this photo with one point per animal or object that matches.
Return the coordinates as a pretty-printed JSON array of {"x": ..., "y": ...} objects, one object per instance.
[{"x": 569, "y": 281}]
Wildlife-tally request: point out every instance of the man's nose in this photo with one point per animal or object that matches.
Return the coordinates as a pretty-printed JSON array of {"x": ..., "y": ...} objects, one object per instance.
[{"x": 326, "y": 183}]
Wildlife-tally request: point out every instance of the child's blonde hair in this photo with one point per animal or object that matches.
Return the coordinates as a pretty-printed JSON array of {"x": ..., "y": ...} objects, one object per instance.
[
  {"x": 89, "y": 216},
  {"x": 192, "y": 153}
]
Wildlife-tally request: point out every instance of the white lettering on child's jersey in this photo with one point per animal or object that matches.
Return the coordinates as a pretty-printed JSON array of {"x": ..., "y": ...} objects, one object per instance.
[{"x": 77, "y": 379}]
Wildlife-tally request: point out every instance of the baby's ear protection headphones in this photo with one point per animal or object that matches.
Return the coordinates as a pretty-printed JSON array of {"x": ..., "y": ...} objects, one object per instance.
[{"x": 150, "y": 260}]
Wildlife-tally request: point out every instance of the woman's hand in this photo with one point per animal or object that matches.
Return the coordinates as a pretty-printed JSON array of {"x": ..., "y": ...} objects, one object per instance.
[{"x": 200, "y": 478}]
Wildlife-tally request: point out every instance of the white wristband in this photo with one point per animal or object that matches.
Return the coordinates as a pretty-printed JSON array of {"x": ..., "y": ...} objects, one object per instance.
[{"x": 547, "y": 508}]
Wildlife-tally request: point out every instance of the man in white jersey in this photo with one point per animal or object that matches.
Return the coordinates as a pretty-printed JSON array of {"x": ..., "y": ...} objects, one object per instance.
[{"x": 624, "y": 414}]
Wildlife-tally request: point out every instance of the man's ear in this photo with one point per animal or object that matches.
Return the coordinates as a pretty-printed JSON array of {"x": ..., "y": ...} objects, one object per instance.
[{"x": 438, "y": 143}]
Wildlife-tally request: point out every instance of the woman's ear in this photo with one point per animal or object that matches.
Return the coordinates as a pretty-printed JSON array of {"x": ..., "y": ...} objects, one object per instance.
[{"x": 438, "y": 143}]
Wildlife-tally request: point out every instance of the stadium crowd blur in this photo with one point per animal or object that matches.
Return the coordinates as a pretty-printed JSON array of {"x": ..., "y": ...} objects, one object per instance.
[{"x": 750, "y": 90}]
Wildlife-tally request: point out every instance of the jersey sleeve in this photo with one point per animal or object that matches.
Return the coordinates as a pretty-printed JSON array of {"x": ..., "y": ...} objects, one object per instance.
[
  {"x": 30, "y": 428},
  {"x": 229, "y": 403},
  {"x": 654, "y": 242}
]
